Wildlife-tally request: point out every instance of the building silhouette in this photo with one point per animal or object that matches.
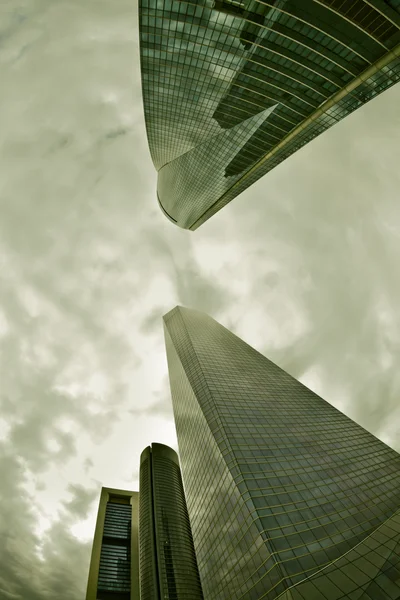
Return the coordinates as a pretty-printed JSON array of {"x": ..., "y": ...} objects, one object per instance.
[
  {"x": 287, "y": 497},
  {"x": 168, "y": 568},
  {"x": 233, "y": 87},
  {"x": 114, "y": 564}
]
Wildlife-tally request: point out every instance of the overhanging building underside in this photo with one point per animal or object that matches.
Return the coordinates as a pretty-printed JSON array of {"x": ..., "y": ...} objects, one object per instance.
[{"x": 233, "y": 87}]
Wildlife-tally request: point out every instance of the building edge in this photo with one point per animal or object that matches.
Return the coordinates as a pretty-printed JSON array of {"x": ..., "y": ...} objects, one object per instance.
[
  {"x": 223, "y": 200},
  {"x": 105, "y": 495}
]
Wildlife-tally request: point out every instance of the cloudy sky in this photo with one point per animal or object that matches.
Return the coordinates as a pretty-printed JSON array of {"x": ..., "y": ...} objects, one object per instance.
[{"x": 304, "y": 266}]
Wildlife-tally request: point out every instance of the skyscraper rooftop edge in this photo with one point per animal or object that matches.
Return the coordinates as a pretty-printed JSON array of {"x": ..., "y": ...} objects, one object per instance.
[
  {"x": 162, "y": 450},
  {"x": 231, "y": 89}
]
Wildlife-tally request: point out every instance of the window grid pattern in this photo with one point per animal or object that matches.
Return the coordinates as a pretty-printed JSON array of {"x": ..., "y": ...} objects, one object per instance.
[
  {"x": 208, "y": 67},
  {"x": 171, "y": 547},
  {"x": 312, "y": 482},
  {"x": 363, "y": 93},
  {"x": 366, "y": 17},
  {"x": 115, "y": 557},
  {"x": 228, "y": 544},
  {"x": 371, "y": 570},
  {"x": 147, "y": 555}
]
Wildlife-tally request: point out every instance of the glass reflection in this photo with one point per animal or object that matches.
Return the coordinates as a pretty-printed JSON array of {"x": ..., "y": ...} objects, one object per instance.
[{"x": 213, "y": 64}]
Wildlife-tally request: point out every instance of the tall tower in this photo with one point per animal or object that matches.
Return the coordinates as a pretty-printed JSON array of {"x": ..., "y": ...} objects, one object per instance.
[
  {"x": 114, "y": 565},
  {"x": 168, "y": 568},
  {"x": 287, "y": 497},
  {"x": 233, "y": 87}
]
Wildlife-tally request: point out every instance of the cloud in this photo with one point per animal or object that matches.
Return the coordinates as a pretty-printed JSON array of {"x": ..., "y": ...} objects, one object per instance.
[
  {"x": 328, "y": 236},
  {"x": 162, "y": 407},
  {"x": 82, "y": 499},
  {"x": 301, "y": 266}
]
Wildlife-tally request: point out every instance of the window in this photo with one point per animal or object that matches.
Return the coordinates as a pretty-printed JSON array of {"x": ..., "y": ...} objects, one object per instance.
[{"x": 230, "y": 7}]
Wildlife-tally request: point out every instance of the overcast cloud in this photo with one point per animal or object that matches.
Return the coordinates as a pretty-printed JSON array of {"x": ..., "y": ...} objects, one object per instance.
[{"x": 304, "y": 266}]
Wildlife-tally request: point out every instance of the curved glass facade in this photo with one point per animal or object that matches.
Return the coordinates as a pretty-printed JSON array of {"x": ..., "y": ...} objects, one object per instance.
[
  {"x": 279, "y": 484},
  {"x": 168, "y": 568},
  {"x": 233, "y": 87},
  {"x": 369, "y": 571}
]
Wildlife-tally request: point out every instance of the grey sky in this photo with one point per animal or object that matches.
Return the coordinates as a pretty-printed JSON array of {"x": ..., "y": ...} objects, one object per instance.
[{"x": 304, "y": 266}]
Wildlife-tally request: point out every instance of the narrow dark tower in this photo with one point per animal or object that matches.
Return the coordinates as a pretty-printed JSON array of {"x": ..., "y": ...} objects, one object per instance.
[
  {"x": 168, "y": 567},
  {"x": 287, "y": 497}
]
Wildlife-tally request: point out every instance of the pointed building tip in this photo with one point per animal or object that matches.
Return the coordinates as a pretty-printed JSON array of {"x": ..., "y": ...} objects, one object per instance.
[{"x": 170, "y": 313}]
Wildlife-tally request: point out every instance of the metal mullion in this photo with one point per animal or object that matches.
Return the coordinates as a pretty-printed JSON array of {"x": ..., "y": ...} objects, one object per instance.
[
  {"x": 149, "y": 59},
  {"x": 369, "y": 506},
  {"x": 273, "y": 51},
  {"x": 357, "y": 13},
  {"x": 386, "y": 30},
  {"x": 349, "y": 20},
  {"x": 394, "y": 20},
  {"x": 310, "y": 48},
  {"x": 284, "y": 131},
  {"x": 325, "y": 32},
  {"x": 251, "y": 60},
  {"x": 343, "y": 3},
  {"x": 276, "y": 100},
  {"x": 265, "y": 81},
  {"x": 299, "y": 43},
  {"x": 383, "y": 22}
]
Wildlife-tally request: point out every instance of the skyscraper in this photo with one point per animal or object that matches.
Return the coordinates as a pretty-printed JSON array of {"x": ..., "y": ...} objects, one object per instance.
[
  {"x": 114, "y": 565},
  {"x": 233, "y": 87},
  {"x": 168, "y": 568},
  {"x": 287, "y": 497}
]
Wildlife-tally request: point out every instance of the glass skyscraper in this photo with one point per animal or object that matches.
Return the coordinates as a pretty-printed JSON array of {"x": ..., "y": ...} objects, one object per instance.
[
  {"x": 233, "y": 87},
  {"x": 168, "y": 568},
  {"x": 287, "y": 497},
  {"x": 114, "y": 565}
]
